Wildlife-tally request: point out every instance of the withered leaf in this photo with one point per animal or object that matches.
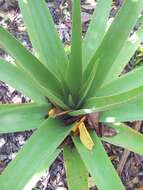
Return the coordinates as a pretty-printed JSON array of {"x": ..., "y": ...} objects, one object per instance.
[{"x": 85, "y": 137}]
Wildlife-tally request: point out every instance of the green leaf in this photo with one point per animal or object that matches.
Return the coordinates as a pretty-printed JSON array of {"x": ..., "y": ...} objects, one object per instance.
[
  {"x": 99, "y": 165},
  {"x": 74, "y": 75},
  {"x": 39, "y": 147},
  {"x": 44, "y": 36},
  {"x": 26, "y": 61},
  {"x": 127, "y": 138},
  {"x": 130, "y": 111},
  {"x": 111, "y": 45},
  {"x": 21, "y": 81},
  {"x": 86, "y": 86},
  {"x": 76, "y": 172},
  {"x": 96, "y": 30},
  {"x": 125, "y": 55},
  {"x": 40, "y": 170},
  {"x": 129, "y": 81},
  {"x": 21, "y": 117},
  {"x": 97, "y": 104}
]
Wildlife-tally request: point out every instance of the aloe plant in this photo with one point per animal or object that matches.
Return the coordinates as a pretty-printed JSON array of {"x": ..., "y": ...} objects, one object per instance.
[{"x": 75, "y": 97}]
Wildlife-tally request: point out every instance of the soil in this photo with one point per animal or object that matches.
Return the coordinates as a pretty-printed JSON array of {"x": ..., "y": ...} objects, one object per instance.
[{"x": 128, "y": 164}]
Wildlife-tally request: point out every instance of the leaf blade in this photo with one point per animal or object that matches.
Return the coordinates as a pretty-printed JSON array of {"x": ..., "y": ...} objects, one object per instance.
[
  {"x": 94, "y": 160},
  {"x": 21, "y": 81},
  {"x": 74, "y": 165},
  {"x": 18, "y": 117},
  {"x": 98, "y": 104},
  {"x": 37, "y": 17},
  {"x": 130, "y": 111},
  {"x": 129, "y": 11},
  {"x": 96, "y": 30},
  {"x": 75, "y": 66},
  {"x": 127, "y": 138},
  {"x": 129, "y": 81},
  {"x": 125, "y": 55},
  {"x": 42, "y": 168},
  {"x": 26, "y": 61},
  {"x": 44, "y": 137}
]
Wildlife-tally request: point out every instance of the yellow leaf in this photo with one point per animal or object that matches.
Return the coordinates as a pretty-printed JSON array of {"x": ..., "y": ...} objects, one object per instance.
[
  {"x": 75, "y": 128},
  {"x": 85, "y": 137}
]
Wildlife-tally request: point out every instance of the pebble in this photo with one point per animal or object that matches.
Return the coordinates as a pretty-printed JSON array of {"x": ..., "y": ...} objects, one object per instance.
[
  {"x": 61, "y": 188},
  {"x": 2, "y": 142}
]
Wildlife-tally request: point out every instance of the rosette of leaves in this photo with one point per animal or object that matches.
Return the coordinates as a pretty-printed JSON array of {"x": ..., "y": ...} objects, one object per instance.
[{"x": 74, "y": 96}]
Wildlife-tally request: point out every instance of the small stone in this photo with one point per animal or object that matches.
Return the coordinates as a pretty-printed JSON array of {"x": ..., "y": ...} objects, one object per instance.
[
  {"x": 13, "y": 155},
  {"x": 61, "y": 188},
  {"x": 2, "y": 142},
  {"x": 20, "y": 139},
  {"x": 3, "y": 157}
]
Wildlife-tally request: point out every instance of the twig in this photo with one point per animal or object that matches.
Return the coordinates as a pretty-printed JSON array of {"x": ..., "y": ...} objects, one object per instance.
[{"x": 123, "y": 160}]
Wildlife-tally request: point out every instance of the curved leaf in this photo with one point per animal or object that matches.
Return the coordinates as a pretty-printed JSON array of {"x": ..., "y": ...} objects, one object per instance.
[
  {"x": 126, "y": 138},
  {"x": 75, "y": 66},
  {"x": 125, "y": 55},
  {"x": 86, "y": 86},
  {"x": 76, "y": 172},
  {"x": 21, "y": 117},
  {"x": 38, "y": 150},
  {"x": 111, "y": 44},
  {"x": 42, "y": 168},
  {"x": 130, "y": 111},
  {"x": 21, "y": 81},
  {"x": 129, "y": 81},
  {"x": 98, "y": 104},
  {"x": 29, "y": 63},
  {"x": 45, "y": 40},
  {"x": 99, "y": 165},
  {"x": 96, "y": 30}
]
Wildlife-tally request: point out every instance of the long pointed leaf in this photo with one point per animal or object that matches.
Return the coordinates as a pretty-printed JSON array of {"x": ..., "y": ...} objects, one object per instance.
[
  {"x": 45, "y": 40},
  {"x": 99, "y": 165},
  {"x": 96, "y": 30},
  {"x": 131, "y": 80},
  {"x": 125, "y": 55},
  {"x": 111, "y": 44},
  {"x": 97, "y": 104},
  {"x": 29, "y": 63},
  {"x": 21, "y": 81},
  {"x": 130, "y": 111},
  {"x": 76, "y": 171},
  {"x": 15, "y": 118},
  {"x": 45, "y": 80},
  {"x": 86, "y": 86},
  {"x": 39, "y": 147},
  {"x": 40, "y": 170},
  {"x": 75, "y": 66},
  {"x": 126, "y": 138}
]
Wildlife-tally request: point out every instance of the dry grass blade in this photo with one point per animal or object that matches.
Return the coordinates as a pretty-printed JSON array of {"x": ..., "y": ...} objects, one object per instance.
[{"x": 123, "y": 161}]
